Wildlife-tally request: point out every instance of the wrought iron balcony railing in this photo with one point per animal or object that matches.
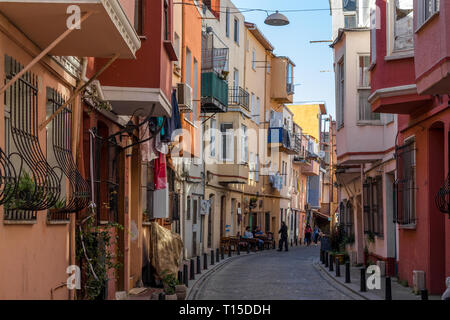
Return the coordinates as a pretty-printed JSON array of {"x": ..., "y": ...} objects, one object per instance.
[{"x": 238, "y": 96}]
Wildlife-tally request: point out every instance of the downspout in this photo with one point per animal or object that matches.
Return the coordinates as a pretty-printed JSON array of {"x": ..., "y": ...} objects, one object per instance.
[{"x": 183, "y": 80}]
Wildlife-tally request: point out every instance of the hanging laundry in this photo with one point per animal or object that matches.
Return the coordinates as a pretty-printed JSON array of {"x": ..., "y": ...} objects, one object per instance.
[
  {"x": 174, "y": 122},
  {"x": 148, "y": 151},
  {"x": 160, "y": 172}
]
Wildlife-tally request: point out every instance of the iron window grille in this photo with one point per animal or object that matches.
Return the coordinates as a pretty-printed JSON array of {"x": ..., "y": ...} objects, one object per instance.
[
  {"x": 61, "y": 142},
  {"x": 373, "y": 206},
  {"x": 8, "y": 178},
  {"x": 44, "y": 187},
  {"x": 405, "y": 188},
  {"x": 348, "y": 224}
]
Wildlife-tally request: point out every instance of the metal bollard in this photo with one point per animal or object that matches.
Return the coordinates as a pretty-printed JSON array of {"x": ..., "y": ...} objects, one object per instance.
[
  {"x": 191, "y": 270},
  {"x": 180, "y": 276},
  {"x": 338, "y": 268},
  {"x": 238, "y": 249},
  {"x": 198, "y": 265},
  {"x": 321, "y": 256},
  {"x": 217, "y": 255},
  {"x": 331, "y": 263},
  {"x": 254, "y": 247},
  {"x": 326, "y": 259},
  {"x": 424, "y": 294},
  {"x": 229, "y": 251},
  {"x": 222, "y": 252},
  {"x": 273, "y": 245},
  {"x": 185, "y": 275},
  {"x": 205, "y": 261},
  {"x": 363, "y": 280},
  {"x": 347, "y": 272},
  {"x": 388, "y": 289},
  {"x": 248, "y": 248},
  {"x": 212, "y": 257},
  {"x": 296, "y": 242}
]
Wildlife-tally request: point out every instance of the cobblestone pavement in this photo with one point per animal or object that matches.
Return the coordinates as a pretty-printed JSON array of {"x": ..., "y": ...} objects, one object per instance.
[{"x": 271, "y": 275}]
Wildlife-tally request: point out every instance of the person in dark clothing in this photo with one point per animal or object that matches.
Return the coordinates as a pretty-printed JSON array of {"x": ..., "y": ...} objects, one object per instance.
[{"x": 283, "y": 237}]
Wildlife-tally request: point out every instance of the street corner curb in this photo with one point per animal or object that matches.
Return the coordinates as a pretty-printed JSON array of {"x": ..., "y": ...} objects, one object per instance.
[{"x": 339, "y": 285}]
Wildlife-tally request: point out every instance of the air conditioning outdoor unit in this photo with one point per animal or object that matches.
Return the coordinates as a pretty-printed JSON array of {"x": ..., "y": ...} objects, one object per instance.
[{"x": 184, "y": 97}]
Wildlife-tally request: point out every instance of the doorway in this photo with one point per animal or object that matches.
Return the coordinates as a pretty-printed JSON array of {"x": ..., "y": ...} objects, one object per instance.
[{"x": 222, "y": 217}]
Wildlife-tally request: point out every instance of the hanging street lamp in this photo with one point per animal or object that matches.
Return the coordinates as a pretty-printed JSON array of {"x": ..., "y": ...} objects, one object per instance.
[{"x": 277, "y": 19}]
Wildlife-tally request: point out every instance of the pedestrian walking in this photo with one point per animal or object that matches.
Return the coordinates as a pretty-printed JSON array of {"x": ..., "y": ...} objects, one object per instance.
[
  {"x": 308, "y": 234},
  {"x": 316, "y": 235},
  {"x": 283, "y": 237}
]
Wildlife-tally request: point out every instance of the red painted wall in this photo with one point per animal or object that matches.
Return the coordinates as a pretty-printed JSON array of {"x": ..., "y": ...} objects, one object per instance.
[{"x": 153, "y": 67}]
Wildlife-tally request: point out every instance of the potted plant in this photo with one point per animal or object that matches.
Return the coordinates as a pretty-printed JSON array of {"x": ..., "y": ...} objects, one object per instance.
[
  {"x": 181, "y": 291},
  {"x": 169, "y": 282}
]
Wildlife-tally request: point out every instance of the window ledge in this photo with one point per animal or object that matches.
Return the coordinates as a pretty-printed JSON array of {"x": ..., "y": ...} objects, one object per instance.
[
  {"x": 411, "y": 226},
  {"x": 426, "y": 22},
  {"x": 19, "y": 222},
  {"x": 54, "y": 222},
  {"x": 369, "y": 123},
  {"x": 400, "y": 55}
]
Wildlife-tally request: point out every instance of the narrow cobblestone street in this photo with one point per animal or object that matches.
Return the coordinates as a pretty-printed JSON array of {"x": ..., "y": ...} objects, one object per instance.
[{"x": 271, "y": 275}]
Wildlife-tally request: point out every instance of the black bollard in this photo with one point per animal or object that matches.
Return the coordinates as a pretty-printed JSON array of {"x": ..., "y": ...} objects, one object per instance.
[
  {"x": 347, "y": 272},
  {"x": 185, "y": 275},
  {"x": 363, "y": 280},
  {"x": 248, "y": 248},
  {"x": 222, "y": 252},
  {"x": 331, "y": 263},
  {"x": 326, "y": 259},
  {"x": 229, "y": 251},
  {"x": 205, "y": 261},
  {"x": 192, "y": 271},
  {"x": 296, "y": 241},
  {"x": 254, "y": 247},
  {"x": 291, "y": 243},
  {"x": 321, "y": 256},
  {"x": 212, "y": 257},
  {"x": 388, "y": 289},
  {"x": 424, "y": 294},
  {"x": 238, "y": 249},
  {"x": 162, "y": 296},
  {"x": 217, "y": 255},
  {"x": 199, "y": 270},
  {"x": 338, "y": 268},
  {"x": 273, "y": 245},
  {"x": 180, "y": 276}
]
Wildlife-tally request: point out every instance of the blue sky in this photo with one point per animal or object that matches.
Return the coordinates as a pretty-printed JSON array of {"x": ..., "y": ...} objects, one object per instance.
[{"x": 293, "y": 41}]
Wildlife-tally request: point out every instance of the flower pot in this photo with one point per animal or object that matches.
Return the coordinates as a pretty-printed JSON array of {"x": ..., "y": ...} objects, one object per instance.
[
  {"x": 180, "y": 291},
  {"x": 171, "y": 297}
]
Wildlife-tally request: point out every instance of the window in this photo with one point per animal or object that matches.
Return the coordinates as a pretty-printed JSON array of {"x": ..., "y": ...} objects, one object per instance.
[
  {"x": 340, "y": 93},
  {"x": 405, "y": 186},
  {"x": 373, "y": 206},
  {"x": 176, "y": 44},
  {"x": 257, "y": 168},
  {"x": 236, "y": 79},
  {"x": 373, "y": 35},
  {"x": 401, "y": 16},
  {"x": 188, "y": 76},
  {"x": 363, "y": 13},
  {"x": 426, "y": 9},
  {"x": 166, "y": 21},
  {"x": 254, "y": 59},
  {"x": 227, "y": 23},
  {"x": 251, "y": 171},
  {"x": 244, "y": 144},
  {"x": 252, "y": 105},
  {"x": 227, "y": 140},
  {"x": 139, "y": 17},
  {"x": 195, "y": 89},
  {"x": 188, "y": 208},
  {"x": 236, "y": 31},
  {"x": 256, "y": 115},
  {"x": 349, "y": 9},
  {"x": 212, "y": 142},
  {"x": 194, "y": 211},
  {"x": 350, "y": 21},
  {"x": 364, "y": 74},
  {"x": 365, "y": 108},
  {"x": 289, "y": 78}
]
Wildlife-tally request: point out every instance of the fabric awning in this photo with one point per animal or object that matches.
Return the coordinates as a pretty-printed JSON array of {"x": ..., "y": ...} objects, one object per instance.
[
  {"x": 105, "y": 32},
  {"x": 321, "y": 215}
]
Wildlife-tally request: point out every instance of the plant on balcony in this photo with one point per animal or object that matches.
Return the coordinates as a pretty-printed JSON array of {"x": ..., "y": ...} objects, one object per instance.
[
  {"x": 97, "y": 254},
  {"x": 92, "y": 97}
]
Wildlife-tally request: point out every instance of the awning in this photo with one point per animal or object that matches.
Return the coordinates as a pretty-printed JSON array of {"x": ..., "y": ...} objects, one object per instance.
[
  {"x": 321, "y": 215},
  {"x": 107, "y": 31}
]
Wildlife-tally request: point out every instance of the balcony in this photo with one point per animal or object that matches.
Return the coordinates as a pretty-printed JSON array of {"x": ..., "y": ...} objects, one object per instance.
[
  {"x": 310, "y": 168},
  {"x": 239, "y": 97},
  {"x": 214, "y": 93},
  {"x": 432, "y": 53},
  {"x": 282, "y": 87},
  {"x": 233, "y": 174},
  {"x": 285, "y": 140}
]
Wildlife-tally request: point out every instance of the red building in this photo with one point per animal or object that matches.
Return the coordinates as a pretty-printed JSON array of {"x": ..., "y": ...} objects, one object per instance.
[{"x": 410, "y": 53}]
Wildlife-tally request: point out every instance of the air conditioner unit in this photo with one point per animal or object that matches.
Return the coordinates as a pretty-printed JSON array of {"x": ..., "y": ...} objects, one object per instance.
[{"x": 184, "y": 97}]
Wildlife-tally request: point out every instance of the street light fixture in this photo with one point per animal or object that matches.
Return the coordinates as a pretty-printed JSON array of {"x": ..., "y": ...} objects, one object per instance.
[{"x": 277, "y": 19}]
